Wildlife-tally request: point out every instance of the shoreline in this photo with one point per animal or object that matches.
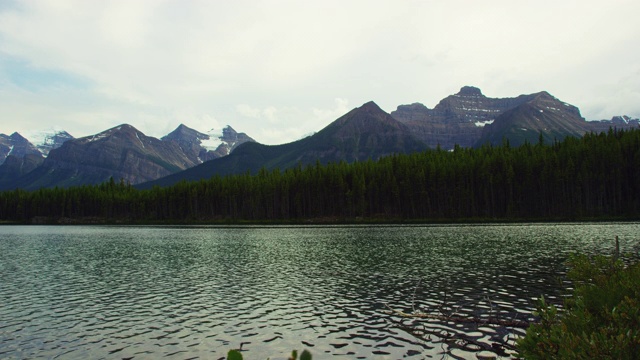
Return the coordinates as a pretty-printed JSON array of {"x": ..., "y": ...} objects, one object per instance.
[{"x": 325, "y": 221}]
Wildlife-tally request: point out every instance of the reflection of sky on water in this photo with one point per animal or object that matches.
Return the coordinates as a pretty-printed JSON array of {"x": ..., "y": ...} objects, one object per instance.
[{"x": 199, "y": 291}]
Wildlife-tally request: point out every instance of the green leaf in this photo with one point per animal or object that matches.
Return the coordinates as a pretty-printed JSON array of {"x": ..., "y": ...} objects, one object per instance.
[
  {"x": 305, "y": 355},
  {"x": 234, "y": 355}
]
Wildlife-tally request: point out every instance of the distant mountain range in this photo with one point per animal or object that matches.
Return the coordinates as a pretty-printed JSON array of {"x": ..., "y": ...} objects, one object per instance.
[
  {"x": 468, "y": 119},
  {"x": 363, "y": 133},
  {"x": 123, "y": 153}
]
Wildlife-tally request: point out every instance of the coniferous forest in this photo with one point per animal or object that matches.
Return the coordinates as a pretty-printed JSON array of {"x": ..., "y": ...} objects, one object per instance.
[{"x": 596, "y": 176}]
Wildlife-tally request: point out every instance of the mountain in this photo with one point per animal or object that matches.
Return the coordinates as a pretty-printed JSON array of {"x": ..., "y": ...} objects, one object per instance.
[
  {"x": 190, "y": 141},
  {"x": 201, "y": 147},
  {"x": 363, "y": 133},
  {"x": 15, "y": 145},
  {"x": 122, "y": 152},
  {"x": 457, "y": 119},
  {"x": 469, "y": 118},
  {"x": 223, "y": 144},
  {"x": 618, "y": 122},
  {"x": 47, "y": 140},
  {"x": 541, "y": 114}
]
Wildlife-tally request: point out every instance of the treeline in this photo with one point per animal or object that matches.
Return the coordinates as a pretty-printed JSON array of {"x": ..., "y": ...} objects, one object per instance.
[{"x": 597, "y": 175}]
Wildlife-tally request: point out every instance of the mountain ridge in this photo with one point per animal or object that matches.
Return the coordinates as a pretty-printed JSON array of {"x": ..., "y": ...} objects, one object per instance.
[
  {"x": 365, "y": 132},
  {"x": 467, "y": 118},
  {"x": 110, "y": 154}
]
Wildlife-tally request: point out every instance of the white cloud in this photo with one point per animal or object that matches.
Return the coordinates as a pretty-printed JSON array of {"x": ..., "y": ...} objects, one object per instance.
[
  {"x": 248, "y": 111},
  {"x": 271, "y": 114},
  {"x": 341, "y": 108},
  {"x": 272, "y": 68}
]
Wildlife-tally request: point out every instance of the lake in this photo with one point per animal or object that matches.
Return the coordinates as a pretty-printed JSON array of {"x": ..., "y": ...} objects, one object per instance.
[{"x": 114, "y": 292}]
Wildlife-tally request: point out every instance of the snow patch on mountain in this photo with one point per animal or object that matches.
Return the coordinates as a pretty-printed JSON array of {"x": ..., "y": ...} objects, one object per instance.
[
  {"x": 47, "y": 139},
  {"x": 214, "y": 140},
  {"x": 483, "y": 123},
  {"x": 43, "y": 137}
]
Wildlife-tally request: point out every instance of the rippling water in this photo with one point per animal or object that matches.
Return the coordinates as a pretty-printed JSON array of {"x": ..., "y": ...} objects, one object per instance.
[{"x": 196, "y": 292}]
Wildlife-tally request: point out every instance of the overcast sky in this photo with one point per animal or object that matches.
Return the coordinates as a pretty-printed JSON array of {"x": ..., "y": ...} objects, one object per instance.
[{"x": 279, "y": 70}]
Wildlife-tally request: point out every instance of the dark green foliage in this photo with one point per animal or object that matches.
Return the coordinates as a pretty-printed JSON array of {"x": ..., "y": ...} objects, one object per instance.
[
  {"x": 601, "y": 319},
  {"x": 237, "y": 355},
  {"x": 594, "y": 176},
  {"x": 234, "y": 355}
]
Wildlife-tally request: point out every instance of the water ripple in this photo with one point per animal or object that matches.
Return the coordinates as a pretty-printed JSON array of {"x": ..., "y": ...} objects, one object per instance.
[{"x": 196, "y": 292}]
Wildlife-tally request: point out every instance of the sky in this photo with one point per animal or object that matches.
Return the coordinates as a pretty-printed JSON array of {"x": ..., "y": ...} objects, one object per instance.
[{"x": 279, "y": 70}]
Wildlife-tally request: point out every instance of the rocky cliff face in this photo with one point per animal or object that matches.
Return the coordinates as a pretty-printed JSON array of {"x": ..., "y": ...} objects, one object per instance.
[
  {"x": 457, "y": 119},
  {"x": 469, "y": 118}
]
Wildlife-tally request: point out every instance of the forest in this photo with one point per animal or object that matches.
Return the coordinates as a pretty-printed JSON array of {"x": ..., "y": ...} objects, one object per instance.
[{"x": 593, "y": 177}]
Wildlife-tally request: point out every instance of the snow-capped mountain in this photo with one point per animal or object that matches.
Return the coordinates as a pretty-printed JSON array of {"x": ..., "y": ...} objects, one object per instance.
[
  {"x": 229, "y": 140},
  {"x": 201, "y": 147},
  {"x": 122, "y": 153},
  {"x": 49, "y": 139}
]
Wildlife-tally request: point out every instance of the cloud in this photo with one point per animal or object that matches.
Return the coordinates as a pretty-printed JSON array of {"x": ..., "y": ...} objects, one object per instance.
[
  {"x": 248, "y": 111},
  {"x": 270, "y": 124},
  {"x": 276, "y": 67},
  {"x": 341, "y": 107}
]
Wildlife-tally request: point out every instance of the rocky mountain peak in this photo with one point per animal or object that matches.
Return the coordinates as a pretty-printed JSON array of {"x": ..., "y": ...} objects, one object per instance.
[
  {"x": 113, "y": 134},
  {"x": 544, "y": 95},
  {"x": 369, "y": 115},
  {"x": 17, "y": 137},
  {"x": 469, "y": 91},
  {"x": 229, "y": 132},
  {"x": 624, "y": 119},
  {"x": 370, "y": 107},
  {"x": 185, "y": 133},
  {"x": 16, "y": 145},
  {"x": 201, "y": 147}
]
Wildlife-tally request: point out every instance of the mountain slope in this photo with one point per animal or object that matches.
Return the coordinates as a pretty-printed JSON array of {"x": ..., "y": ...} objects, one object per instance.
[
  {"x": 364, "y": 133},
  {"x": 540, "y": 114},
  {"x": 122, "y": 152},
  {"x": 15, "y": 167}
]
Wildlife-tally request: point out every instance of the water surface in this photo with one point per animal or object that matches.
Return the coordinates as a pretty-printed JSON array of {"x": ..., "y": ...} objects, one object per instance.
[{"x": 195, "y": 292}]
